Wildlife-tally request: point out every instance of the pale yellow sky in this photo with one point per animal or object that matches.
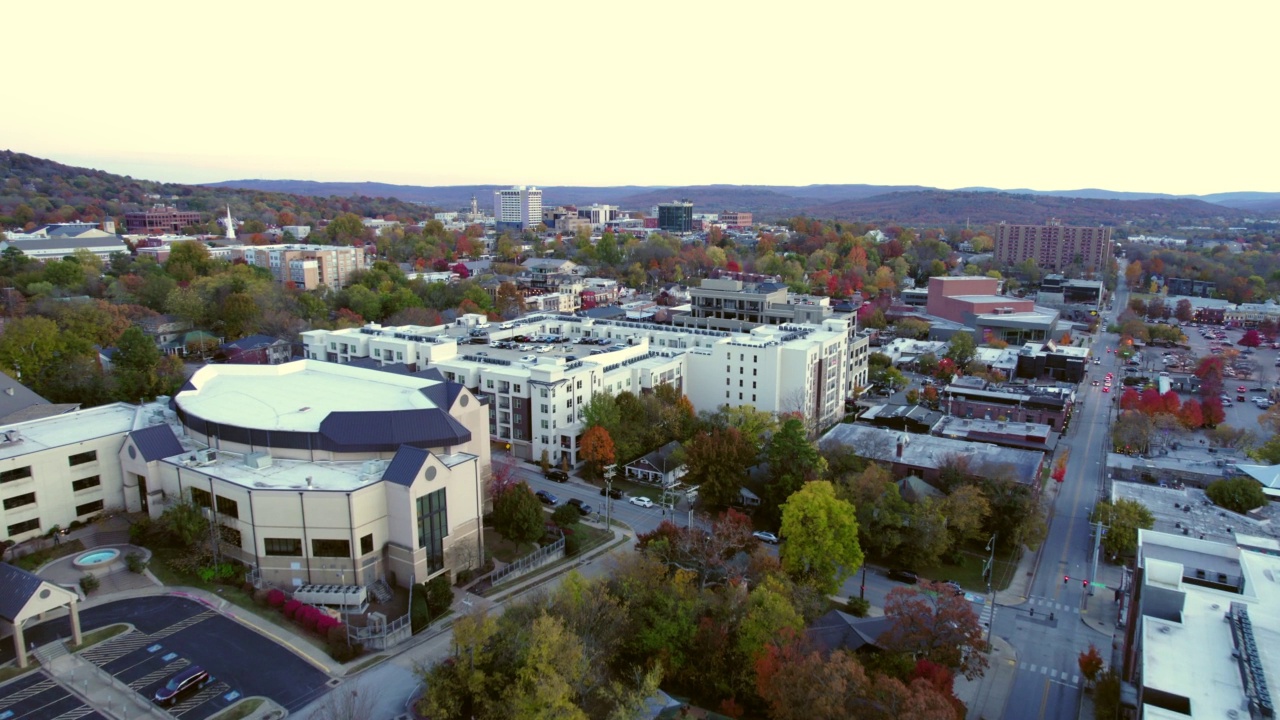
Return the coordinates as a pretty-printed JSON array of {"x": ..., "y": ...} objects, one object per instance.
[{"x": 1173, "y": 97}]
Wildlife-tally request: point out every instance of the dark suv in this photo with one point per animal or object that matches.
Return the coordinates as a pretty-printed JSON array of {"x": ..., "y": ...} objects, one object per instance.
[
  {"x": 906, "y": 576},
  {"x": 615, "y": 493},
  {"x": 181, "y": 685},
  {"x": 557, "y": 475},
  {"x": 583, "y": 508}
]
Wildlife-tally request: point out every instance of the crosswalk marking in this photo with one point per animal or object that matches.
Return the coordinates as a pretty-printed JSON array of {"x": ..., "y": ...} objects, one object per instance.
[
  {"x": 1047, "y": 603},
  {"x": 1055, "y": 675},
  {"x": 23, "y": 694}
]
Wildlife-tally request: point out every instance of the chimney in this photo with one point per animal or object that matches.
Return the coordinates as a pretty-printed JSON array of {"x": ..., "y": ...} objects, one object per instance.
[
  {"x": 901, "y": 446},
  {"x": 308, "y": 481}
]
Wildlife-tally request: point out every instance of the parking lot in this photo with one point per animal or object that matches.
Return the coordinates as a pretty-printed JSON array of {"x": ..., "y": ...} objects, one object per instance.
[
  {"x": 37, "y": 696},
  {"x": 172, "y": 634}
]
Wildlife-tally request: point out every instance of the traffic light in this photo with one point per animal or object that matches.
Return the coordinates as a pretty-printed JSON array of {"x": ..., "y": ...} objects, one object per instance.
[
  {"x": 1066, "y": 579},
  {"x": 1084, "y": 584}
]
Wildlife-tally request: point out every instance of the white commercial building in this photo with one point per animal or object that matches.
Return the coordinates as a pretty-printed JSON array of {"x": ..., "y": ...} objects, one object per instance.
[
  {"x": 518, "y": 208},
  {"x": 314, "y": 473},
  {"x": 536, "y": 397}
]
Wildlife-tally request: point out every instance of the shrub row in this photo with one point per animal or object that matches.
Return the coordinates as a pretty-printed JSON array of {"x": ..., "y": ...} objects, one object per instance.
[{"x": 313, "y": 619}]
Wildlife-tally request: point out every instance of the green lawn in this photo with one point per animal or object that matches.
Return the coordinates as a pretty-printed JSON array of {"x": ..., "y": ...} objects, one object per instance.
[
  {"x": 13, "y": 671},
  {"x": 40, "y": 557},
  {"x": 969, "y": 571},
  {"x": 504, "y": 549}
]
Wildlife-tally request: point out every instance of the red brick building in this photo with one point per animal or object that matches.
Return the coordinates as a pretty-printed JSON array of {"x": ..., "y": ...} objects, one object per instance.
[
  {"x": 159, "y": 220},
  {"x": 1054, "y": 246}
]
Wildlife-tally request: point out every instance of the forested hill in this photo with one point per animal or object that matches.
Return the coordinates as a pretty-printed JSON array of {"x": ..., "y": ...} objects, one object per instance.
[
  {"x": 939, "y": 207},
  {"x": 36, "y": 190}
]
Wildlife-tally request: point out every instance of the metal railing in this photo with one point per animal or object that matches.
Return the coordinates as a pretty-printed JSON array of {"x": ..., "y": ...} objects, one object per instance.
[{"x": 528, "y": 562}]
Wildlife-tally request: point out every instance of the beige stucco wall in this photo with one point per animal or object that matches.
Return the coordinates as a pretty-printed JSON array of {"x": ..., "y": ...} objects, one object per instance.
[{"x": 51, "y": 479}]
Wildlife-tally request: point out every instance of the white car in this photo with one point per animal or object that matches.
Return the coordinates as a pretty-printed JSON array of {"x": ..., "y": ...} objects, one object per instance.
[
  {"x": 767, "y": 537},
  {"x": 543, "y": 348},
  {"x": 643, "y": 502},
  {"x": 529, "y": 358}
]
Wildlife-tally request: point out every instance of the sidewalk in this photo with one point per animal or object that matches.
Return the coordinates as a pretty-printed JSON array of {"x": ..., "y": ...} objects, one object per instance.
[{"x": 986, "y": 696}]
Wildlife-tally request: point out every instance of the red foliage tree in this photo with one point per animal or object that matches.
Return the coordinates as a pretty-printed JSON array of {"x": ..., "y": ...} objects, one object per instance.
[
  {"x": 1170, "y": 403},
  {"x": 1130, "y": 399},
  {"x": 1190, "y": 414},
  {"x": 934, "y": 623},
  {"x": 1211, "y": 410},
  {"x": 1252, "y": 339},
  {"x": 1090, "y": 662},
  {"x": 1150, "y": 403},
  {"x": 942, "y": 680}
]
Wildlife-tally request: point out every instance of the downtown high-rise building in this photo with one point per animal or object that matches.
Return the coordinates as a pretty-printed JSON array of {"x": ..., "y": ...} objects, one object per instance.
[
  {"x": 518, "y": 208},
  {"x": 1054, "y": 246}
]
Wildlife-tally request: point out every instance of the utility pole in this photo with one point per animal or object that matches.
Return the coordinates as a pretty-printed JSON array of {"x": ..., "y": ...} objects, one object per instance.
[{"x": 989, "y": 571}]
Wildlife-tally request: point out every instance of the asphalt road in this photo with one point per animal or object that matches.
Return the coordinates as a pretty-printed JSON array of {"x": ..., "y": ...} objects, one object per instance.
[{"x": 1047, "y": 684}]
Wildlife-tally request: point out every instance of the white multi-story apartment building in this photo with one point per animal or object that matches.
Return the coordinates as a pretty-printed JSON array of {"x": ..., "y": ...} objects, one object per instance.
[
  {"x": 518, "y": 208},
  {"x": 536, "y": 399},
  {"x": 308, "y": 266}
]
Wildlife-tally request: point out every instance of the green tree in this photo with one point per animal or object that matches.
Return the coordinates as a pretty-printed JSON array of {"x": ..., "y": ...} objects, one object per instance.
[
  {"x": 1240, "y": 494},
  {"x": 30, "y": 348},
  {"x": 793, "y": 460},
  {"x": 344, "y": 229},
  {"x": 517, "y": 514},
  {"x": 136, "y": 366},
  {"x": 881, "y": 510},
  {"x": 1123, "y": 520},
  {"x": 821, "y": 533},
  {"x": 961, "y": 349},
  {"x": 769, "y": 616}
]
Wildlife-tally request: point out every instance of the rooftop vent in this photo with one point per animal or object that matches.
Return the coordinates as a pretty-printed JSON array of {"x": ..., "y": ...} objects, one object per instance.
[{"x": 258, "y": 460}]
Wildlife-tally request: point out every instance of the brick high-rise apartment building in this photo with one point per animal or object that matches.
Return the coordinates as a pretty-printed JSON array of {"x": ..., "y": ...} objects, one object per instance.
[
  {"x": 308, "y": 266},
  {"x": 160, "y": 219},
  {"x": 1054, "y": 246}
]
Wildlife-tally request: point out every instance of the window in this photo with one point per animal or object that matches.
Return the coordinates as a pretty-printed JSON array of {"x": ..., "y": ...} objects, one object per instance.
[
  {"x": 18, "y": 501},
  {"x": 228, "y": 507},
  {"x": 515, "y": 388},
  {"x": 544, "y": 407},
  {"x": 82, "y": 458},
  {"x": 366, "y": 544},
  {"x": 286, "y": 547},
  {"x": 85, "y": 483},
  {"x": 88, "y": 508},
  {"x": 15, "y": 474},
  {"x": 201, "y": 497},
  {"x": 331, "y": 548},
  {"x": 543, "y": 393},
  {"x": 433, "y": 525},
  {"x": 25, "y": 526}
]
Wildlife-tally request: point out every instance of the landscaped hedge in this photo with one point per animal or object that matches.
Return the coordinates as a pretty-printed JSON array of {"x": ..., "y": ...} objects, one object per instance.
[{"x": 314, "y": 620}]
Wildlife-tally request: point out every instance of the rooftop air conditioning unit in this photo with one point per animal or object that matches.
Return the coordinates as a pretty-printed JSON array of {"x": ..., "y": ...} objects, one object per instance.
[{"x": 207, "y": 456}]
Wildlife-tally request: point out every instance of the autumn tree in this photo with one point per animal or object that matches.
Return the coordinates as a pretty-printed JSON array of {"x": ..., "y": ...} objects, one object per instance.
[
  {"x": 710, "y": 559},
  {"x": 1122, "y": 519},
  {"x": 1133, "y": 274},
  {"x": 717, "y": 463},
  {"x": 1090, "y": 662},
  {"x": 597, "y": 450},
  {"x": 1183, "y": 311},
  {"x": 880, "y": 509},
  {"x": 1211, "y": 409},
  {"x": 1190, "y": 414},
  {"x": 1131, "y": 432},
  {"x": 821, "y": 532},
  {"x": 932, "y": 622},
  {"x": 1130, "y": 399}
]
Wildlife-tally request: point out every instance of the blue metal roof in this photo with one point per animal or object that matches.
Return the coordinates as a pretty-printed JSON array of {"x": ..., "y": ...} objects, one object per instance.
[
  {"x": 406, "y": 464},
  {"x": 16, "y": 588},
  {"x": 424, "y": 428},
  {"x": 155, "y": 442},
  {"x": 253, "y": 342}
]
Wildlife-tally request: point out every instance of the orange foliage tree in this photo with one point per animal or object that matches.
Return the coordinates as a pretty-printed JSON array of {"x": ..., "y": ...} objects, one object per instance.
[{"x": 597, "y": 450}]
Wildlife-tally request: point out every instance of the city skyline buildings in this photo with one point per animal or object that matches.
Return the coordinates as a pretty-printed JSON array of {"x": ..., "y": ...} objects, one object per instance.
[{"x": 962, "y": 117}]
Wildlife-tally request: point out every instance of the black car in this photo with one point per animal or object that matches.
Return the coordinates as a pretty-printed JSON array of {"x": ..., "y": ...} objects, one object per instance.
[
  {"x": 546, "y": 497},
  {"x": 583, "y": 508},
  {"x": 615, "y": 493},
  {"x": 557, "y": 475},
  {"x": 181, "y": 685},
  {"x": 906, "y": 576}
]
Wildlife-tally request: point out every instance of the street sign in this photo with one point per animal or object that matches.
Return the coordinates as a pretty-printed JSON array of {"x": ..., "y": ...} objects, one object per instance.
[{"x": 1099, "y": 585}]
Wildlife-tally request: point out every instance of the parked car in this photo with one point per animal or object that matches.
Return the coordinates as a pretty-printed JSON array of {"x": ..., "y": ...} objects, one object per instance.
[
  {"x": 583, "y": 508},
  {"x": 906, "y": 576},
  {"x": 767, "y": 537},
  {"x": 643, "y": 502},
  {"x": 556, "y": 475},
  {"x": 955, "y": 586},
  {"x": 181, "y": 685},
  {"x": 529, "y": 358},
  {"x": 547, "y": 498},
  {"x": 615, "y": 493}
]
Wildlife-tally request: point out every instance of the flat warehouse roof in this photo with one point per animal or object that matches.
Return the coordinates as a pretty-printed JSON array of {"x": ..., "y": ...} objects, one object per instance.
[
  {"x": 66, "y": 429},
  {"x": 297, "y": 396}
]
